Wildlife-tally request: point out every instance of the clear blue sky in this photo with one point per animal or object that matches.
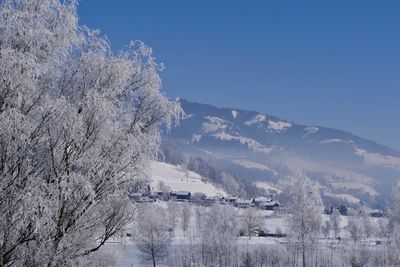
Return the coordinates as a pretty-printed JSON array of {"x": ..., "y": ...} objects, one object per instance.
[{"x": 330, "y": 63}]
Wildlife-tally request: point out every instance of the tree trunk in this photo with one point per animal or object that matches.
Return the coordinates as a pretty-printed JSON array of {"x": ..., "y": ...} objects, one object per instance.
[{"x": 153, "y": 258}]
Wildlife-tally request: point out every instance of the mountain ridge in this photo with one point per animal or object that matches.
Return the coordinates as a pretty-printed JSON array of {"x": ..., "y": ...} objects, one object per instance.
[
  {"x": 262, "y": 147},
  {"x": 389, "y": 148}
]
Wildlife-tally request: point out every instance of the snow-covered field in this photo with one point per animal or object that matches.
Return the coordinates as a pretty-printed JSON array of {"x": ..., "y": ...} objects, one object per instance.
[
  {"x": 127, "y": 254},
  {"x": 267, "y": 186},
  {"x": 180, "y": 179}
]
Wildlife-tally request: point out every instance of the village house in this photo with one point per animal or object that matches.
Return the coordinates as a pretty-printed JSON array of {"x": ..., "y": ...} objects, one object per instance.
[
  {"x": 231, "y": 200},
  {"x": 223, "y": 201},
  {"x": 140, "y": 197},
  {"x": 377, "y": 213},
  {"x": 260, "y": 200},
  {"x": 181, "y": 195},
  {"x": 269, "y": 205},
  {"x": 244, "y": 203},
  {"x": 135, "y": 196},
  {"x": 153, "y": 195}
]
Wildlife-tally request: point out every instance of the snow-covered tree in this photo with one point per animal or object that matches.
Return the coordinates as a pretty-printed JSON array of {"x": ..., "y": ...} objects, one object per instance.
[
  {"x": 393, "y": 246},
  {"x": 172, "y": 215},
  {"x": 219, "y": 236},
  {"x": 151, "y": 235},
  {"x": 251, "y": 220},
  {"x": 394, "y": 229},
  {"x": 357, "y": 255},
  {"x": 334, "y": 219},
  {"x": 186, "y": 216},
  {"x": 382, "y": 228},
  {"x": 78, "y": 124},
  {"x": 199, "y": 216},
  {"x": 366, "y": 223},
  {"x": 162, "y": 187},
  {"x": 305, "y": 208},
  {"x": 394, "y": 213},
  {"x": 326, "y": 228},
  {"x": 354, "y": 226}
]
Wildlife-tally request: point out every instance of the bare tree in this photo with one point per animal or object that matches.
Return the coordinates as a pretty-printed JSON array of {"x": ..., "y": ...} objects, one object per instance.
[
  {"x": 151, "y": 236},
  {"x": 251, "y": 220},
  {"x": 305, "y": 214}
]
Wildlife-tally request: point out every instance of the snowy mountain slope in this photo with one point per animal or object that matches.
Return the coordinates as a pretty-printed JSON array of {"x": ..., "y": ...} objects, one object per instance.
[
  {"x": 266, "y": 148},
  {"x": 180, "y": 179}
]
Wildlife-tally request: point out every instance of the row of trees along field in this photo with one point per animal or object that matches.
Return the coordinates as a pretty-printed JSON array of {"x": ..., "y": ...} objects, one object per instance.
[
  {"x": 183, "y": 234},
  {"x": 78, "y": 124}
]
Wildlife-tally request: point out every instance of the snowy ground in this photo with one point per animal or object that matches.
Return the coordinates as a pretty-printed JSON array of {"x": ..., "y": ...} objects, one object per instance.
[
  {"x": 180, "y": 179},
  {"x": 127, "y": 254}
]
